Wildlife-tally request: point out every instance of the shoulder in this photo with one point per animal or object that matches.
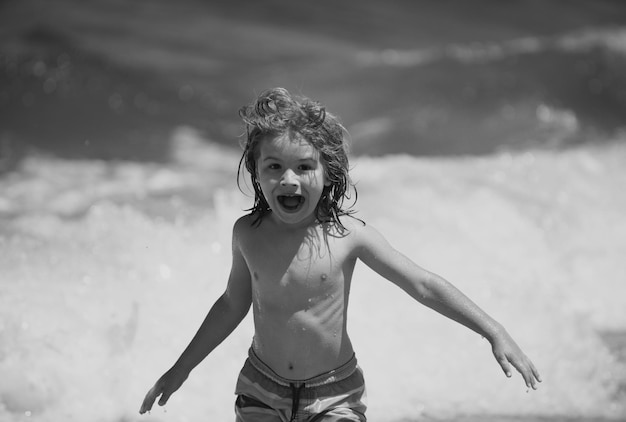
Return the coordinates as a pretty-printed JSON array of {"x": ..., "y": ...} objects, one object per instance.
[
  {"x": 355, "y": 231},
  {"x": 347, "y": 227},
  {"x": 245, "y": 222},
  {"x": 355, "y": 227},
  {"x": 364, "y": 238},
  {"x": 244, "y": 227}
]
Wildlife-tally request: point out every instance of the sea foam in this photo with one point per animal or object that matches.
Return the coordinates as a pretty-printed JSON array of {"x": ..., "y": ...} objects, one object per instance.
[{"x": 108, "y": 268}]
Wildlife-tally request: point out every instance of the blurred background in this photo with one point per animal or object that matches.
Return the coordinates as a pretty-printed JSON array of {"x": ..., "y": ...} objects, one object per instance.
[
  {"x": 488, "y": 143},
  {"x": 111, "y": 79}
]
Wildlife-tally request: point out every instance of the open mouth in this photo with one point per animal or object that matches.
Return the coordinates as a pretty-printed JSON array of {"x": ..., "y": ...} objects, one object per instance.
[{"x": 290, "y": 203}]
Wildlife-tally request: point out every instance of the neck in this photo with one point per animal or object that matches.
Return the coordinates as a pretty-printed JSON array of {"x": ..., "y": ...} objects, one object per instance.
[{"x": 300, "y": 225}]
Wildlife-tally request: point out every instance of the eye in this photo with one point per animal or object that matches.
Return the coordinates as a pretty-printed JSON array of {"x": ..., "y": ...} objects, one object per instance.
[
  {"x": 274, "y": 166},
  {"x": 306, "y": 167}
]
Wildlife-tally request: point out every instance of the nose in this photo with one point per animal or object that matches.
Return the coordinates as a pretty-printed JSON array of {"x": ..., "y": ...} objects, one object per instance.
[{"x": 289, "y": 178}]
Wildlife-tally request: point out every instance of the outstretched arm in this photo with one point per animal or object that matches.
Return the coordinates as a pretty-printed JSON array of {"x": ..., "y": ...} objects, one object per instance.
[
  {"x": 438, "y": 294},
  {"x": 225, "y": 315}
]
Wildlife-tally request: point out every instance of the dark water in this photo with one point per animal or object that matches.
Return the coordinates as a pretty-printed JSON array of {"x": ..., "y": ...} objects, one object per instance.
[{"x": 111, "y": 79}]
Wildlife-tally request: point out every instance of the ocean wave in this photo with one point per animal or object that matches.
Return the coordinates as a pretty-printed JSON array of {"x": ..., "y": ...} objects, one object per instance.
[
  {"x": 613, "y": 40},
  {"x": 100, "y": 292}
]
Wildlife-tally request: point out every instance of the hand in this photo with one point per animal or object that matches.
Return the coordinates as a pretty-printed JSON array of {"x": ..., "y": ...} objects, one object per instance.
[
  {"x": 164, "y": 387},
  {"x": 508, "y": 353}
]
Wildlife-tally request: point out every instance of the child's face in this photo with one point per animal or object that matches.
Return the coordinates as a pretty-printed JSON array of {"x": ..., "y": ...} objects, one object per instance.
[{"x": 292, "y": 178}]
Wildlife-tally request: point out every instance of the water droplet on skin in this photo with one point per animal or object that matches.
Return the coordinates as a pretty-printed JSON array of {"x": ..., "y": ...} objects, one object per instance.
[{"x": 323, "y": 277}]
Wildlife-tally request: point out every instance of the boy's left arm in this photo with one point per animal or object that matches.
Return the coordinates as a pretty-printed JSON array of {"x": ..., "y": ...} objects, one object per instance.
[{"x": 440, "y": 295}]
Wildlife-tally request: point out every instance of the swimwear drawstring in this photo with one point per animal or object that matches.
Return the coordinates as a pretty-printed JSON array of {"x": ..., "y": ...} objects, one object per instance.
[{"x": 295, "y": 399}]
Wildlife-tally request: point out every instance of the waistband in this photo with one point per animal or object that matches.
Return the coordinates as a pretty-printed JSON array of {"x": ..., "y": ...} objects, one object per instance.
[{"x": 335, "y": 375}]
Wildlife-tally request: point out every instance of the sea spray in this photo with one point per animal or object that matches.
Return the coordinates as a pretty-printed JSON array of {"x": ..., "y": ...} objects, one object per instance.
[{"x": 108, "y": 268}]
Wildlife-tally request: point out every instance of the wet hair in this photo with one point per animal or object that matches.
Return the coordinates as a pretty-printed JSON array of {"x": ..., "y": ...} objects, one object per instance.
[{"x": 276, "y": 113}]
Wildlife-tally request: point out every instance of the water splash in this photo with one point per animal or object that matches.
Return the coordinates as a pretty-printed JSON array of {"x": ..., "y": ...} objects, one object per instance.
[{"x": 100, "y": 295}]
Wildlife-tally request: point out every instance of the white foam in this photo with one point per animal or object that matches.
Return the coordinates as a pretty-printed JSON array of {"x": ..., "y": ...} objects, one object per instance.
[
  {"x": 99, "y": 294},
  {"x": 611, "y": 39}
]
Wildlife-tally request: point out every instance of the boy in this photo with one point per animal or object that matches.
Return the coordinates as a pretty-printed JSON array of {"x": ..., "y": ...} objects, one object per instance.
[{"x": 293, "y": 258}]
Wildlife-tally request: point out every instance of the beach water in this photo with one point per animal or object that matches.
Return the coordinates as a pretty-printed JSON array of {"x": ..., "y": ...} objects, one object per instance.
[
  {"x": 109, "y": 268},
  {"x": 492, "y": 154}
]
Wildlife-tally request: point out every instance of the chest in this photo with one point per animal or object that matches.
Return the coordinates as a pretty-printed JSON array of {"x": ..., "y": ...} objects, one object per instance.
[{"x": 297, "y": 271}]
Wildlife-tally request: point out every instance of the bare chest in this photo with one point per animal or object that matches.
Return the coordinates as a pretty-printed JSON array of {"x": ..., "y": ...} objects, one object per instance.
[{"x": 296, "y": 273}]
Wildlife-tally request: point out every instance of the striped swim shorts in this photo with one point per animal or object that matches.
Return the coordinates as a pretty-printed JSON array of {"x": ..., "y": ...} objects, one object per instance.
[{"x": 264, "y": 396}]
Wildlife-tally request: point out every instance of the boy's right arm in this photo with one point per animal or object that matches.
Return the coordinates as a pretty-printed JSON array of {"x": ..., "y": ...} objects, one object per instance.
[{"x": 224, "y": 316}]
